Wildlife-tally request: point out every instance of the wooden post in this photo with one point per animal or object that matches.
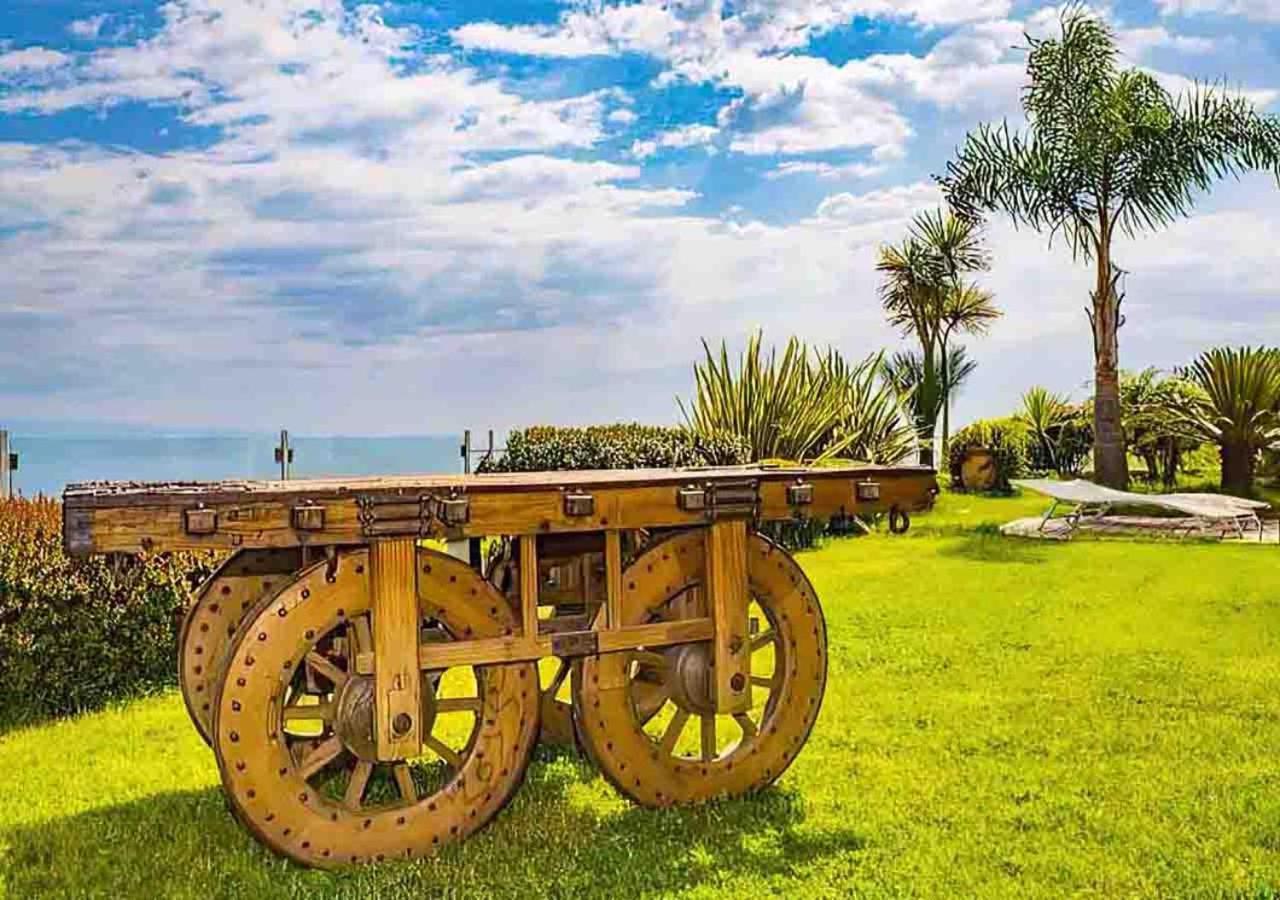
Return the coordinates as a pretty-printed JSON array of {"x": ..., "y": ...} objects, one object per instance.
[
  {"x": 5, "y": 485},
  {"x": 393, "y": 574},
  {"x": 529, "y": 587},
  {"x": 728, "y": 599},
  {"x": 613, "y": 578}
]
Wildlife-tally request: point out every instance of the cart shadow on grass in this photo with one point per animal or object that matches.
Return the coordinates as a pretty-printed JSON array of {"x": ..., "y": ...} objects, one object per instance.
[{"x": 549, "y": 840}]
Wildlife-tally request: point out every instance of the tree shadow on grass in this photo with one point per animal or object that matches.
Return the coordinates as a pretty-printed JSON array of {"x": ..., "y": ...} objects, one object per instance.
[
  {"x": 562, "y": 835},
  {"x": 992, "y": 546}
]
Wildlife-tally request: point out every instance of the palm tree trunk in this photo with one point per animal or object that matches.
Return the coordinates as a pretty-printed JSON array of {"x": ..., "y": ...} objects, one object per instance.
[
  {"x": 946, "y": 398},
  {"x": 1237, "y": 468},
  {"x": 927, "y": 407},
  {"x": 1109, "y": 465}
]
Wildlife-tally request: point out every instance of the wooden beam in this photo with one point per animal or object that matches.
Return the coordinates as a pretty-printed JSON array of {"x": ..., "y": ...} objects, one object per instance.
[
  {"x": 393, "y": 575},
  {"x": 613, "y": 579},
  {"x": 493, "y": 651},
  {"x": 529, "y": 587},
  {"x": 728, "y": 598}
]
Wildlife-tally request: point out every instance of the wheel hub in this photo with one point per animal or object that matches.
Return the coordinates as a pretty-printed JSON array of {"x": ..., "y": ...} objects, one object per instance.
[
  {"x": 354, "y": 715},
  {"x": 692, "y": 677}
]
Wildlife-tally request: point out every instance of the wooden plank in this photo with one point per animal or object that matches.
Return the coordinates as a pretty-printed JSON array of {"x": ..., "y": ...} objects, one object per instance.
[
  {"x": 397, "y": 683},
  {"x": 613, "y": 579},
  {"x": 120, "y": 493},
  {"x": 495, "y": 651},
  {"x": 728, "y": 599},
  {"x": 98, "y": 527},
  {"x": 529, "y": 588}
]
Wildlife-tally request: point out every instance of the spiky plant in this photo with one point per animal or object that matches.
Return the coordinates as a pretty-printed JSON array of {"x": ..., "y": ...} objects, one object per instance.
[
  {"x": 1239, "y": 410},
  {"x": 800, "y": 406},
  {"x": 1043, "y": 412}
]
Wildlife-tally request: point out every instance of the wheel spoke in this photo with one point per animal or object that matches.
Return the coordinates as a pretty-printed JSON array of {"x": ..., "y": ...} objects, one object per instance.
[
  {"x": 561, "y": 674},
  {"x": 674, "y": 729},
  {"x": 748, "y": 727},
  {"x": 763, "y": 639},
  {"x": 326, "y": 667},
  {"x": 762, "y": 681},
  {"x": 708, "y": 737},
  {"x": 363, "y": 635},
  {"x": 444, "y": 751},
  {"x": 320, "y": 757},
  {"x": 404, "y": 781},
  {"x": 359, "y": 780},
  {"x": 458, "y": 704}
]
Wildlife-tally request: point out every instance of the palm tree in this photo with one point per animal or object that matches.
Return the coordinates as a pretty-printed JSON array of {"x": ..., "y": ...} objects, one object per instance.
[
  {"x": 924, "y": 294},
  {"x": 1240, "y": 408},
  {"x": 905, "y": 371},
  {"x": 1107, "y": 150}
]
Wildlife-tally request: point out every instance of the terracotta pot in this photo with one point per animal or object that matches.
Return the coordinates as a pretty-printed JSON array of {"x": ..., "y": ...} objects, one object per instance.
[{"x": 978, "y": 469}]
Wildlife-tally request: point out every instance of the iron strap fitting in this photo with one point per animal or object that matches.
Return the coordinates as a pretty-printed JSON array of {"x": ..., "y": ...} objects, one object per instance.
[
  {"x": 383, "y": 516},
  {"x": 722, "y": 500}
]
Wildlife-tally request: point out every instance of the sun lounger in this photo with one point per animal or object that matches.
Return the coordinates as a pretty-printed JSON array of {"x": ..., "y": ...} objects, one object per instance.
[{"x": 1089, "y": 500}]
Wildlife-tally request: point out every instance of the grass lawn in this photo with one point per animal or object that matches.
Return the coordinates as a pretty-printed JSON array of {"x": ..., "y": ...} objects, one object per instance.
[{"x": 1001, "y": 719}]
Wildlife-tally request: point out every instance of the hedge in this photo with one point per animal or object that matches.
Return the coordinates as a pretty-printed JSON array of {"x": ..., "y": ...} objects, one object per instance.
[
  {"x": 1009, "y": 440},
  {"x": 621, "y": 446},
  {"x": 76, "y": 634}
]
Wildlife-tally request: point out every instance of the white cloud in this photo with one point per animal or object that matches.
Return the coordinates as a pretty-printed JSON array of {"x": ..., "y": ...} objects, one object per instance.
[
  {"x": 1259, "y": 10},
  {"x": 371, "y": 217},
  {"x": 823, "y": 170},
  {"x": 31, "y": 59},
  {"x": 676, "y": 138},
  {"x": 89, "y": 28}
]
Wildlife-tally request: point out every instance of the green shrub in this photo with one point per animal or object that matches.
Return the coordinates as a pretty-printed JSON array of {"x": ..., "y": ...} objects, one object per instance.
[
  {"x": 76, "y": 634},
  {"x": 1009, "y": 439},
  {"x": 622, "y": 446}
]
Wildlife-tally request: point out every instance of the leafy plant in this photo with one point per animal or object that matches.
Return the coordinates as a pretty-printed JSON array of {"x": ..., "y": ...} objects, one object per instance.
[
  {"x": 1155, "y": 429},
  {"x": 1239, "y": 409},
  {"x": 1108, "y": 150},
  {"x": 802, "y": 406}
]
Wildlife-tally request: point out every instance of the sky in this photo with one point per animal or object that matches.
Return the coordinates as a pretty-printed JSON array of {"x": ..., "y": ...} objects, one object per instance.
[{"x": 415, "y": 217}]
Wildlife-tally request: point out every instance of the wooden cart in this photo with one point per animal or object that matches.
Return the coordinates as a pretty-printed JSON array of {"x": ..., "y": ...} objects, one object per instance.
[{"x": 368, "y": 696}]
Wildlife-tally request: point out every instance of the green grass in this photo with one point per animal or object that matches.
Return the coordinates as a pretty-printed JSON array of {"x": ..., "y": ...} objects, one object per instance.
[{"x": 1002, "y": 719}]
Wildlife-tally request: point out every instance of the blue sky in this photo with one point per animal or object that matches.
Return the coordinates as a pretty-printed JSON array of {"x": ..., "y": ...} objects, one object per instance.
[{"x": 423, "y": 216}]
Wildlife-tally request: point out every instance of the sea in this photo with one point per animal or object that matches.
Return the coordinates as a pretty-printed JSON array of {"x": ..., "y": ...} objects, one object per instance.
[{"x": 48, "y": 462}]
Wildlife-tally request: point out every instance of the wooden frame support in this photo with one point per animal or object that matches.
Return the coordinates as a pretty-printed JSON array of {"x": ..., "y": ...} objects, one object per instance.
[
  {"x": 393, "y": 582},
  {"x": 613, "y": 579},
  {"x": 529, "y": 588},
  {"x": 728, "y": 598}
]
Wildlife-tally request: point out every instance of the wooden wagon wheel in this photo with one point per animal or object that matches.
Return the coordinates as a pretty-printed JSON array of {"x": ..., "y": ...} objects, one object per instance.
[
  {"x": 293, "y": 720},
  {"x": 686, "y": 752},
  {"x": 220, "y": 604}
]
